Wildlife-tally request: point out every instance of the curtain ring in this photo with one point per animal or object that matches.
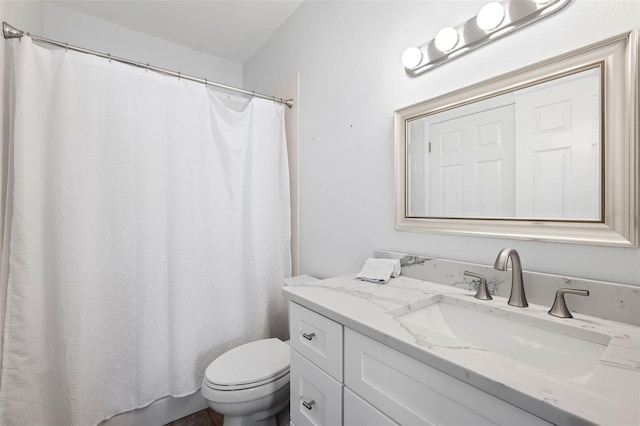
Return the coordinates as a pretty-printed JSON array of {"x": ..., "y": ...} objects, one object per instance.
[
  {"x": 109, "y": 55},
  {"x": 178, "y": 75},
  {"x": 147, "y": 66},
  {"x": 66, "y": 46},
  {"x": 205, "y": 83}
]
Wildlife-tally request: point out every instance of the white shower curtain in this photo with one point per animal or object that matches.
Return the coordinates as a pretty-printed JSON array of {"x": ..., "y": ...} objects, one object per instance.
[{"x": 147, "y": 231}]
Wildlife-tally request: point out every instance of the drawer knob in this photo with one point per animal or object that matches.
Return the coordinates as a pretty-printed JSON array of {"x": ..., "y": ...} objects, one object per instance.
[
  {"x": 308, "y": 405},
  {"x": 309, "y": 336}
]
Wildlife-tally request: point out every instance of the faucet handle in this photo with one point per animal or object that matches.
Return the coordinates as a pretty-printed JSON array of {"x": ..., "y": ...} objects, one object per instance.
[
  {"x": 559, "y": 308},
  {"x": 483, "y": 291}
]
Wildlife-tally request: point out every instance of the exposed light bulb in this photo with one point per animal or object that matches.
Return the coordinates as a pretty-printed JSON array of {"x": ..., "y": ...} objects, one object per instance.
[
  {"x": 446, "y": 39},
  {"x": 411, "y": 57},
  {"x": 490, "y": 16}
]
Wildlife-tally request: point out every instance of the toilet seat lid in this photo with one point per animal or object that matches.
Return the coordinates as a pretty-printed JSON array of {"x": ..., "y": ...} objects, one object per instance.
[{"x": 249, "y": 363}]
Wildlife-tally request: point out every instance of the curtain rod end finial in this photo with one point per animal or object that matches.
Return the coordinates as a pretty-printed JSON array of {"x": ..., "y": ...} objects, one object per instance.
[{"x": 10, "y": 32}]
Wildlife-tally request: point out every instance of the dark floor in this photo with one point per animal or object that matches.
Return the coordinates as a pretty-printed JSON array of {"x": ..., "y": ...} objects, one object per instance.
[{"x": 206, "y": 417}]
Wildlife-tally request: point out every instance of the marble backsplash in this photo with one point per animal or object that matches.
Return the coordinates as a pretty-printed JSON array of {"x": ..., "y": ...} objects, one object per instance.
[{"x": 617, "y": 302}]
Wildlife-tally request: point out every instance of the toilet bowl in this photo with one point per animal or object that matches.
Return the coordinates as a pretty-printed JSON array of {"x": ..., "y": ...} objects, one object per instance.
[{"x": 249, "y": 384}]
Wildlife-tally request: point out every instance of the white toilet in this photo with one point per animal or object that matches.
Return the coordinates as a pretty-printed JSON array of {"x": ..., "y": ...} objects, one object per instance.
[{"x": 249, "y": 384}]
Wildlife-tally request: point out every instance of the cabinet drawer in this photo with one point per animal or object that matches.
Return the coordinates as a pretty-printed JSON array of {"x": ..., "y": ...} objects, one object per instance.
[
  {"x": 411, "y": 392},
  {"x": 357, "y": 412},
  {"x": 318, "y": 338},
  {"x": 316, "y": 398}
]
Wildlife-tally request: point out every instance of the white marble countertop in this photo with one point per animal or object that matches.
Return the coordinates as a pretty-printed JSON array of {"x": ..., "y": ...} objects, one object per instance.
[{"x": 608, "y": 395}]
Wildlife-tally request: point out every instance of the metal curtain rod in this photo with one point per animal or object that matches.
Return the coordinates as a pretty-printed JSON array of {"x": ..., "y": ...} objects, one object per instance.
[{"x": 10, "y": 32}]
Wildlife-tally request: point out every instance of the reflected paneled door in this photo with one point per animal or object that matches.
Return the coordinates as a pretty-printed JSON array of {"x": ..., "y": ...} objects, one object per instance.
[
  {"x": 471, "y": 164},
  {"x": 558, "y": 151}
]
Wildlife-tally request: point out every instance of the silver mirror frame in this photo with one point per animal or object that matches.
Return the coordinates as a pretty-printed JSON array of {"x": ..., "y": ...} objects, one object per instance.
[{"x": 621, "y": 178}]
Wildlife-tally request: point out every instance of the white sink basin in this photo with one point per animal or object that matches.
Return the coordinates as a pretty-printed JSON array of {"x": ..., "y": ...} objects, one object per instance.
[{"x": 549, "y": 345}]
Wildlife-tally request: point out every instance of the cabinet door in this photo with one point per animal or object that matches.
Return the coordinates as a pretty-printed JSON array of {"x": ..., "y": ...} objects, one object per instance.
[
  {"x": 411, "y": 392},
  {"x": 316, "y": 398},
  {"x": 358, "y": 412},
  {"x": 318, "y": 338}
]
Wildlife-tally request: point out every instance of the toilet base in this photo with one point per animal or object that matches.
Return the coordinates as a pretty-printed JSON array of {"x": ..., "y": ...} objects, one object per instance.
[{"x": 263, "y": 418}]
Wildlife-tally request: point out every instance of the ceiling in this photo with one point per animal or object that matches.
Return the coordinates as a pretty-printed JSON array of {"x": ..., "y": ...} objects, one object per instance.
[{"x": 229, "y": 29}]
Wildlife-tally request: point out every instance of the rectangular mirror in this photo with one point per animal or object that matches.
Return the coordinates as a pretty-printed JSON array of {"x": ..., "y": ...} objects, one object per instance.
[
  {"x": 531, "y": 153},
  {"x": 548, "y": 152}
]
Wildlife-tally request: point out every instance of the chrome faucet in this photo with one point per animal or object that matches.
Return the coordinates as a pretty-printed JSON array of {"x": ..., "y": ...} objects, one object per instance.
[{"x": 517, "y": 296}]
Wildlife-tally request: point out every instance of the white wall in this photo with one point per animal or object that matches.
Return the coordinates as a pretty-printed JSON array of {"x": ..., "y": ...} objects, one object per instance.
[
  {"x": 23, "y": 14},
  {"x": 82, "y": 30},
  {"x": 54, "y": 22},
  {"x": 351, "y": 81}
]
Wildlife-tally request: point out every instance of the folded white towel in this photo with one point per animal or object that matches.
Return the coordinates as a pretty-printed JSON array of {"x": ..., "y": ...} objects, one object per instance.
[{"x": 379, "y": 270}]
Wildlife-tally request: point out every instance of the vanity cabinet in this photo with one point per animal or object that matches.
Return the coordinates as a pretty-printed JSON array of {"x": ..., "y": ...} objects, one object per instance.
[
  {"x": 411, "y": 392},
  {"x": 317, "y": 396},
  {"x": 317, "y": 338},
  {"x": 316, "y": 368},
  {"x": 340, "y": 376},
  {"x": 358, "y": 412}
]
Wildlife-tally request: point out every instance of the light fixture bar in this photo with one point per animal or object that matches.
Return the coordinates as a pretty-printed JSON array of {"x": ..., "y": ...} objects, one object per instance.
[{"x": 515, "y": 14}]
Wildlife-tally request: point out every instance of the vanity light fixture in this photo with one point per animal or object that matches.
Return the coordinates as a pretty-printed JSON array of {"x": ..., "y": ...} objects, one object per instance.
[{"x": 494, "y": 20}]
